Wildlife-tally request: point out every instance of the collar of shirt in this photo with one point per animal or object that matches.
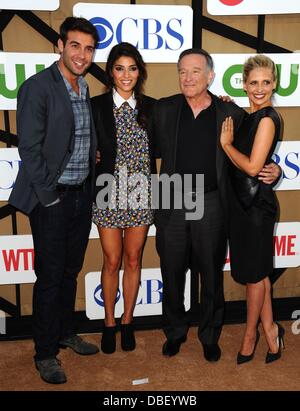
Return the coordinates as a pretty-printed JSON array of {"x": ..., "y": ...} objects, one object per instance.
[
  {"x": 119, "y": 100},
  {"x": 81, "y": 83}
]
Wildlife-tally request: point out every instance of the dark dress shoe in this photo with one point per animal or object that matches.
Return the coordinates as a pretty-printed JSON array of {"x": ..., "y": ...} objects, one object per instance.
[
  {"x": 172, "y": 347},
  {"x": 78, "y": 345},
  {"x": 212, "y": 352},
  {"x": 270, "y": 357},
  {"x": 241, "y": 358},
  {"x": 108, "y": 340},
  {"x": 51, "y": 371},
  {"x": 127, "y": 337}
]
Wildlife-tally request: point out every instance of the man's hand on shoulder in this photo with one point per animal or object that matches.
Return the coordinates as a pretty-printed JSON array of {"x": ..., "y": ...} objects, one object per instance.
[
  {"x": 226, "y": 99},
  {"x": 270, "y": 173}
]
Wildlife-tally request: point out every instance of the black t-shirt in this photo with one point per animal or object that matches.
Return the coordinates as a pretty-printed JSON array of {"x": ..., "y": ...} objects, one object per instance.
[{"x": 197, "y": 144}]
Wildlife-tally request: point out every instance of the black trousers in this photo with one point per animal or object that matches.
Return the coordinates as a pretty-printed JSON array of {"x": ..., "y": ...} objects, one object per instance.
[
  {"x": 205, "y": 239},
  {"x": 60, "y": 235}
]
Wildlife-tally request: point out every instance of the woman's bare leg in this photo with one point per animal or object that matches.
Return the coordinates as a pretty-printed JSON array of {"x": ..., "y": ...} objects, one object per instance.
[
  {"x": 134, "y": 240},
  {"x": 111, "y": 242}
]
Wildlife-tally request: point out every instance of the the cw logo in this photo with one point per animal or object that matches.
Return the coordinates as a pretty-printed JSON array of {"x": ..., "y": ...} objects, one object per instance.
[
  {"x": 235, "y": 73},
  {"x": 20, "y": 78}
]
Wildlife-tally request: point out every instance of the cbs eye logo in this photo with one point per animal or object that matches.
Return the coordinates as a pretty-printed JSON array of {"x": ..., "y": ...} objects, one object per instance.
[
  {"x": 105, "y": 32},
  {"x": 231, "y": 2},
  {"x": 98, "y": 296}
]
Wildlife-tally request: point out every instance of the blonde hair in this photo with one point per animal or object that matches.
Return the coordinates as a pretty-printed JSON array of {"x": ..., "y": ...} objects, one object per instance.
[{"x": 259, "y": 61}]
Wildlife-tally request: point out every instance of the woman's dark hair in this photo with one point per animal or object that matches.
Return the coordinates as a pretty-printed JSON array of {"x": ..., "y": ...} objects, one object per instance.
[
  {"x": 77, "y": 24},
  {"x": 128, "y": 50}
]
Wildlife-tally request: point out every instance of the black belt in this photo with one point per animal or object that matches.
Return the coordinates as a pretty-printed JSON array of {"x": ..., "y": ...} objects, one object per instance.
[{"x": 72, "y": 187}]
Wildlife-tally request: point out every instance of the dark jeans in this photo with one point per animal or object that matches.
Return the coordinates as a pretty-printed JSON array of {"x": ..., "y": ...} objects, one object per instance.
[
  {"x": 60, "y": 235},
  {"x": 205, "y": 240}
]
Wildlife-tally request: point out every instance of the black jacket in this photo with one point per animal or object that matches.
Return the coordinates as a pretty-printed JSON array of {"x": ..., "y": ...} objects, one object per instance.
[{"x": 166, "y": 124}]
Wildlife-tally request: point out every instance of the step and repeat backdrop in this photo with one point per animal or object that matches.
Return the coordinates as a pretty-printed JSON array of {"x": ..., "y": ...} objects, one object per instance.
[
  {"x": 243, "y": 7},
  {"x": 160, "y": 32}
]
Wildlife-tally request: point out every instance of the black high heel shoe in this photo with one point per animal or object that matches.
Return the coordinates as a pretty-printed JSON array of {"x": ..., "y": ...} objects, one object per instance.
[
  {"x": 127, "y": 337},
  {"x": 108, "y": 340},
  {"x": 270, "y": 357},
  {"x": 241, "y": 359}
]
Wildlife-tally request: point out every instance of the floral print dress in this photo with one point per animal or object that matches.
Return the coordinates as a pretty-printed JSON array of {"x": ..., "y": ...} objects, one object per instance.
[{"x": 130, "y": 201}]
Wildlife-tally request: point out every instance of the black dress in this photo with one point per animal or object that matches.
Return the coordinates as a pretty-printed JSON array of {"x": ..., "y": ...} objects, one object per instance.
[{"x": 251, "y": 226}]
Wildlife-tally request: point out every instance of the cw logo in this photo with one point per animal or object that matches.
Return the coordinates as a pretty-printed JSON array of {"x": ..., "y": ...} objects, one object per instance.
[
  {"x": 20, "y": 78},
  {"x": 232, "y": 77},
  {"x": 231, "y": 2}
]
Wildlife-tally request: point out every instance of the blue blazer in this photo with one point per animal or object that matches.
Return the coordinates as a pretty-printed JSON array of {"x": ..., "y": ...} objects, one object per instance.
[{"x": 46, "y": 134}]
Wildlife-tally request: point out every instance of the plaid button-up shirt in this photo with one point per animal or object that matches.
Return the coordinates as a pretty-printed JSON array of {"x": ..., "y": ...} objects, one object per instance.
[{"x": 78, "y": 167}]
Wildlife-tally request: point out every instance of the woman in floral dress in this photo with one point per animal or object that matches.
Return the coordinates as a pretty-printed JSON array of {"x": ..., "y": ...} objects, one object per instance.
[{"x": 123, "y": 215}]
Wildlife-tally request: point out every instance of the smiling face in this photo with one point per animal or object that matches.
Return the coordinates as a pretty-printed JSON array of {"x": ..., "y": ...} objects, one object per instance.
[
  {"x": 194, "y": 75},
  {"x": 77, "y": 54},
  {"x": 259, "y": 87},
  {"x": 125, "y": 75}
]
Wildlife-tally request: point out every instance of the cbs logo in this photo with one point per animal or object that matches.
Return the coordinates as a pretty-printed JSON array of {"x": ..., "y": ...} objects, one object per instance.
[
  {"x": 98, "y": 296},
  {"x": 105, "y": 31},
  {"x": 143, "y": 32}
]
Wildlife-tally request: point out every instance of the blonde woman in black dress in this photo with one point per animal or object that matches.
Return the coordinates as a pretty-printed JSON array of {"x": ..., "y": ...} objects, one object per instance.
[
  {"x": 122, "y": 118},
  {"x": 253, "y": 205}
]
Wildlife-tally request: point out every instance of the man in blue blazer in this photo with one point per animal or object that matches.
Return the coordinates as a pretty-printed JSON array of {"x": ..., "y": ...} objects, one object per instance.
[{"x": 57, "y": 145}]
